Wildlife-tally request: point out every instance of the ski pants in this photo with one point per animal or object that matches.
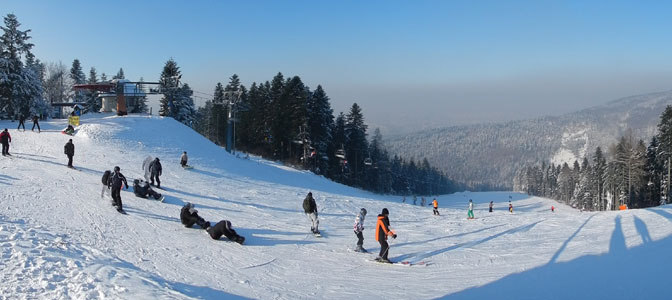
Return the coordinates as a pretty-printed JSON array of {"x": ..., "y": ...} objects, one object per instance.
[
  {"x": 69, "y": 160},
  {"x": 436, "y": 211},
  {"x": 384, "y": 248},
  {"x": 314, "y": 220},
  {"x": 155, "y": 176},
  {"x": 490, "y": 209},
  {"x": 38, "y": 126},
  {"x": 21, "y": 125},
  {"x": 470, "y": 214},
  {"x": 116, "y": 196},
  {"x": 360, "y": 238},
  {"x": 5, "y": 148}
]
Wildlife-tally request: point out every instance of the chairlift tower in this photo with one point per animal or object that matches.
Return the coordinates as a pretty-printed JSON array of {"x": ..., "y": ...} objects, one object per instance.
[{"x": 232, "y": 100}]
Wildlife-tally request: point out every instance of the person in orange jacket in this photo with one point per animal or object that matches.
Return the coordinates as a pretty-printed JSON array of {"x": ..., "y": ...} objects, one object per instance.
[
  {"x": 382, "y": 231},
  {"x": 436, "y": 207}
]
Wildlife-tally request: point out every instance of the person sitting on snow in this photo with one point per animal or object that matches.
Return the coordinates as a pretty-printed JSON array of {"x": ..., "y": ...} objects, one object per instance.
[
  {"x": 70, "y": 130},
  {"x": 142, "y": 189},
  {"x": 224, "y": 228},
  {"x": 189, "y": 216}
]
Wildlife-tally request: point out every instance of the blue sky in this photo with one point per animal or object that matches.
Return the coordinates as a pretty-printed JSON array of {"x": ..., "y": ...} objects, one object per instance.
[{"x": 409, "y": 64}]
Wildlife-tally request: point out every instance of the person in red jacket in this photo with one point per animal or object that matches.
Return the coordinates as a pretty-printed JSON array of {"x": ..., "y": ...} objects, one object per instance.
[
  {"x": 5, "y": 139},
  {"x": 382, "y": 231}
]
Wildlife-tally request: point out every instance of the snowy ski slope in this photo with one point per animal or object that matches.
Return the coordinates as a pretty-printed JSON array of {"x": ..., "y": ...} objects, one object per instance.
[{"x": 60, "y": 240}]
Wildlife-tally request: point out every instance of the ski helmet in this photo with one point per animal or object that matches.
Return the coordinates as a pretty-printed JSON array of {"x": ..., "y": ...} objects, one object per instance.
[
  {"x": 363, "y": 211},
  {"x": 117, "y": 169},
  {"x": 385, "y": 212}
]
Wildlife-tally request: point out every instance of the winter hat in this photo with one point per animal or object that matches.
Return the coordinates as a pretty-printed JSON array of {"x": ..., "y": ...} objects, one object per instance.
[
  {"x": 385, "y": 212},
  {"x": 157, "y": 159},
  {"x": 117, "y": 169},
  {"x": 310, "y": 193},
  {"x": 363, "y": 211}
]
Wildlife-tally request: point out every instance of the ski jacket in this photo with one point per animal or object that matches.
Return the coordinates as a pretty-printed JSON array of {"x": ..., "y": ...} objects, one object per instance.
[
  {"x": 183, "y": 159},
  {"x": 309, "y": 205},
  {"x": 141, "y": 188},
  {"x": 189, "y": 219},
  {"x": 471, "y": 205},
  {"x": 5, "y": 137},
  {"x": 22, "y": 118},
  {"x": 223, "y": 227},
  {"x": 69, "y": 149},
  {"x": 359, "y": 223},
  {"x": 116, "y": 180},
  {"x": 35, "y": 119},
  {"x": 383, "y": 228},
  {"x": 435, "y": 203},
  {"x": 155, "y": 167}
]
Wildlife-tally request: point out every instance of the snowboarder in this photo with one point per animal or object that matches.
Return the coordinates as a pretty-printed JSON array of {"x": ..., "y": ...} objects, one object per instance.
[
  {"x": 436, "y": 207},
  {"x": 510, "y": 207},
  {"x": 359, "y": 227},
  {"x": 5, "y": 139},
  {"x": 142, "y": 189},
  {"x": 470, "y": 214},
  {"x": 183, "y": 159},
  {"x": 224, "y": 228},
  {"x": 382, "y": 231},
  {"x": 155, "y": 171},
  {"x": 310, "y": 208},
  {"x": 423, "y": 202},
  {"x": 491, "y": 204},
  {"x": 22, "y": 120},
  {"x": 69, "y": 150},
  {"x": 189, "y": 216},
  {"x": 115, "y": 182},
  {"x": 36, "y": 123}
]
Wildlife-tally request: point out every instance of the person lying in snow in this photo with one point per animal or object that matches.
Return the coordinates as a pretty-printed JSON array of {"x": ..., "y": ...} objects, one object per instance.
[
  {"x": 142, "y": 189},
  {"x": 189, "y": 216},
  {"x": 224, "y": 228}
]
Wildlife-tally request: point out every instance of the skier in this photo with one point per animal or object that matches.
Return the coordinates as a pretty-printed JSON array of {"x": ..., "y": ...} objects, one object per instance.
[
  {"x": 422, "y": 202},
  {"x": 183, "y": 159},
  {"x": 142, "y": 189},
  {"x": 510, "y": 207},
  {"x": 403, "y": 200},
  {"x": 155, "y": 171},
  {"x": 189, "y": 216},
  {"x": 223, "y": 227},
  {"x": 115, "y": 182},
  {"x": 69, "y": 150},
  {"x": 552, "y": 208},
  {"x": 382, "y": 231},
  {"x": 359, "y": 227},
  {"x": 22, "y": 120},
  {"x": 36, "y": 123},
  {"x": 5, "y": 139},
  {"x": 415, "y": 200},
  {"x": 436, "y": 207},
  {"x": 491, "y": 204},
  {"x": 310, "y": 208},
  {"x": 470, "y": 214}
]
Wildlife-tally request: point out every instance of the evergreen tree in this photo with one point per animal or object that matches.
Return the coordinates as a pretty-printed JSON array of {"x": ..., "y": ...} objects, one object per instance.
[
  {"x": 141, "y": 105},
  {"x": 219, "y": 115},
  {"x": 103, "y": 77},
  {"x": 664, "y": 137},
  {"x": 77, "y": 77},
  {"x": 19, "y": 86},
  {"x": 177, "y": 102},
  {"x": 356, "y": 144},
  {"x": 320, "y": 125},
  {"x": 599, "y": 178},
  {"x": 120, "y": 74},
  {"x": 338, "y": 165},
  {"x": 93, "y": 76}
]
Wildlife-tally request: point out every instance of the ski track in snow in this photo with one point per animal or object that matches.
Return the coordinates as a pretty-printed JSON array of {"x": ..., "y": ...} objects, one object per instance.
[{"x": 60, "y": 240}]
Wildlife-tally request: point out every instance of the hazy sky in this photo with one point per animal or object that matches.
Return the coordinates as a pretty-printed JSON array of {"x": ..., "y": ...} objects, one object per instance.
[{"x": 408, "y": 64}]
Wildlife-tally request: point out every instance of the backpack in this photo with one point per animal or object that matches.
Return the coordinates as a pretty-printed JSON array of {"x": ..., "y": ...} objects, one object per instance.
[{"x": 106, "y": 177}]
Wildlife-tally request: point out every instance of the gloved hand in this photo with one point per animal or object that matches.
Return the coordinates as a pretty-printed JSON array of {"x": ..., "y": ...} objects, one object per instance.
[{"x": 394, "y": 236}]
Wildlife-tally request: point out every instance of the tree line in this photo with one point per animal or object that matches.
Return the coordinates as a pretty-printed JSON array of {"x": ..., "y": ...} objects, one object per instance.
[{"x": 630, "y": 173}]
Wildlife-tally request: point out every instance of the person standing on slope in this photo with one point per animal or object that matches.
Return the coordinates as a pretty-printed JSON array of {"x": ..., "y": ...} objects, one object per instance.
[
  {"x": 491, "y": 204},
  {"x": 510, "y": 207},
  {"x": 359, "y": 228},
  {"x": 470, "y": 214},
  {"x": 436, "y": 207},
  {"x": 183, "y": 159},
  {"x": 70, "y": 152},
  {"x": 116, "y": 181},
  {"x": 22, "y": 120},
  {"x": 155, "y": 171},
  {"x": 36, "y": 122},
  {"x": 382, "y": 231},
  {"x": 310, "y": 208},
  {"x": 5, "y": 139}
]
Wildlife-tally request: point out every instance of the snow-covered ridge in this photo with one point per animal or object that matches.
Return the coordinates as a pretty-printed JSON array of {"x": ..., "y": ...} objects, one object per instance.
[{"x": 60, "y": 240}]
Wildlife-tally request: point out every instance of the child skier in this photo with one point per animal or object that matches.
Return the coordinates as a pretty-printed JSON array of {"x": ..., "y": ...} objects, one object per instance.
[
  {"x": 470, "y": 214},
  {"x": 382, "y": 231},
  {"x": 510, "y": 207},
  {"x": 491, "y": 204},
  {"x": 359, "y": 227},
  {"x": 436, "y": 207}
]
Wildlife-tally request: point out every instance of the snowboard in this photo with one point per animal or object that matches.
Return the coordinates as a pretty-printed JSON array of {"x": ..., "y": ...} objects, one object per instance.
[
  {"x": 123, "y": 212},
  {"x": 401, "y": 263},
  {"x": 317, "y": 234},
  {"x": 188, "y": 167},
  {"x": 162, "y": 198}
]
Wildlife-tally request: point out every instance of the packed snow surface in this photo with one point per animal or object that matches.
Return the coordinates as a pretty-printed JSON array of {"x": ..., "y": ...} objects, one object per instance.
[{"x": 60, "y": 240}]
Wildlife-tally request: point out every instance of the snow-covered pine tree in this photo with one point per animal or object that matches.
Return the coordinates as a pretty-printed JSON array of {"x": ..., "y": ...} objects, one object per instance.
[
  {"x": 103, "y": 77},
  {"x": 219, "y": 115},
  {"x": 320, "y": 125},
  {"x": 599, "y": 178},
  {"x": 92, "y": 96},
  {"x": 17, "y": 89},
  {"x": 168, "y": 84},
  {"x": 665, "y": 149},
  {"x": 120, "y": 74},
  {"x": 77, "y": 76}
]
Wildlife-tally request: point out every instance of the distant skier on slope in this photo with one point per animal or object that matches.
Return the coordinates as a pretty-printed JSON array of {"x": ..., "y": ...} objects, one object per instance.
[
  {"x": 189, "y": 216},
  {"x": 5, "y": 139},
  {"x": 359, "y": 228},
  {"x": 22, "y": 120},
  {"x": 491, "y": 205},
  {"x": 382, "y": 231},
  {"x": 155, "y": 170},
  {"x": 184, "y": 159},
  {"x": 310, "y": 208},
  {"x": 69, "y": 150},
  {"x": 423, "y": 202},
  {"x": 223, "y": 227},
  {"x": 470, "y": 213},
  {"x": 115, "y": 182},
  {"x": 142, "y": 189},
  {"x": 36, "y": 122},
  {"x": 436, "y": 207},
  {"x": 510, "y": 207}
]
